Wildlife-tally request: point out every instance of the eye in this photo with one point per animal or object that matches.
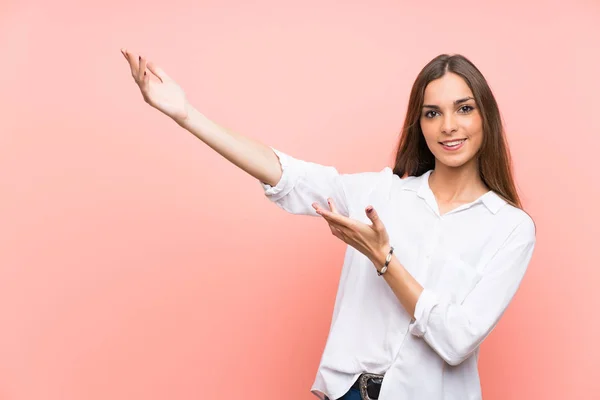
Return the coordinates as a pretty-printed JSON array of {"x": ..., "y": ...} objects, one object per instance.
[
  {"x": 428, "y": 114},
  {"x": 466, "y": 109}
]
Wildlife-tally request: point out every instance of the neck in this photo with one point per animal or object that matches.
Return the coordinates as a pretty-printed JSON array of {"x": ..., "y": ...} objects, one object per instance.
[{"x": 457, "y": 184}]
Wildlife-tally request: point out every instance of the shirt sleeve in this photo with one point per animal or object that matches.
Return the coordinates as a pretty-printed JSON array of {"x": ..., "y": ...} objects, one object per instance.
[
  {"x": 454, "y": 331},
  {"x": 303, "y": 183}
]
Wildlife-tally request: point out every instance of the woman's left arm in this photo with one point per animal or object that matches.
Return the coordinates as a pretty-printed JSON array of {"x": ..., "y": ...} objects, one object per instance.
[{"x": 453, "y": 330}]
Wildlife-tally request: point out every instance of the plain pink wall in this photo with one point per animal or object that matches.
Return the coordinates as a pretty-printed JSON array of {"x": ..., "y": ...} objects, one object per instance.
[{"x": 135, "y": 263}]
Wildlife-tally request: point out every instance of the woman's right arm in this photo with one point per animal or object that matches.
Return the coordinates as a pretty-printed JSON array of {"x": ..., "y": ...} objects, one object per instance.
[
  {"x": 291, "y": 183},
  {"x": 252, "y": 156},
  {"x": 164, "y": 94}
]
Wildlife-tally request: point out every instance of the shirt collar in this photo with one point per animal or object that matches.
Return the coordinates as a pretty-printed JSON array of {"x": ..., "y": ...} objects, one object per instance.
[
  {"x": 492, "y": 201},
  {"x": 420, "y": 185}
]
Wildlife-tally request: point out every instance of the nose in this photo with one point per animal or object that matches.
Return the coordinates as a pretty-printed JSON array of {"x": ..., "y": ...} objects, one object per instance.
[{"x": 449, "y": 125}]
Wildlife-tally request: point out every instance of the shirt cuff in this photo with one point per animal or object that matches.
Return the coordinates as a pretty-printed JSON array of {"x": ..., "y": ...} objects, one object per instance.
[
  {"x": 286, "y": 182},
  {"x": 427, "y": 300}
]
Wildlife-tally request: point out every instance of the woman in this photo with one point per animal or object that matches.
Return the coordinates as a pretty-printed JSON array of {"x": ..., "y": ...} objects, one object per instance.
[{"x": 437, "y": 247}]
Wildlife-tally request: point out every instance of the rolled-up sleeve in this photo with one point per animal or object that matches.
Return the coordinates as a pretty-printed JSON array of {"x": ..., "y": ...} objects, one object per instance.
[
  {"x": 454, "y": 331},
  {"x": 288, "y": 177},
  {"x": 427, "y": 300},
  {"x": 302, "y": 183}
]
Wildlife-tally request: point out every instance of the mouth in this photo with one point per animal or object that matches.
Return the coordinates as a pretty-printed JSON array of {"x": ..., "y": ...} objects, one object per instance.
[{"x": 453, "y": 145}]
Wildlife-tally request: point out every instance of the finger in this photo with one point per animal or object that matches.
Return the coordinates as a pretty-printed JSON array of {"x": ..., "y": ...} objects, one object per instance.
[
  {"x": 338, "y": 219},
  {"x": 127, "y": 56},
  {"x": 374, "y": 217},
  {"x": 158, "y": 72},
  {"x": 334, "y": 218},
  {"x": 338, "y": 231},
  {"x": 332, "y": 205},
  {"x": 335, "y": 231},
  {"x": 142, "y": 69},
  {"x": 344, "y": 231},
  {"x": 132, "y": 62},
  {"x": 146, "y": 81},
  {"x": 335, "y": 224},
  {"x": 318, "y": 208}
]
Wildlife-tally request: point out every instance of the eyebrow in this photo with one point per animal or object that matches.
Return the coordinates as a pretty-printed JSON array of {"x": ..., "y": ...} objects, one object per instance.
[{"x": 456, "y": 102}]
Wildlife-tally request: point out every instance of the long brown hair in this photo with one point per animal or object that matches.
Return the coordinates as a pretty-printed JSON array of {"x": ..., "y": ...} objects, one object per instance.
[{"x": 413, "y": 157}]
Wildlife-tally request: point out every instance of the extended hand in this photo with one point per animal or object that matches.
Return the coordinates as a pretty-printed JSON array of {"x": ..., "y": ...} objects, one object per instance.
[
  {"x": 165, "y": 95},
  {"x": 371, "y": 240}
]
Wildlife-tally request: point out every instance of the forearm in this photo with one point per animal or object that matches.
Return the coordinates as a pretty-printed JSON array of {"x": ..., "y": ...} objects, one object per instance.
[
  {"x": 455, "y": 329},
  {"x": 451, "y": 348},
  {"x": 405, "y": 287},
  {"x": 252, "y": 156}
]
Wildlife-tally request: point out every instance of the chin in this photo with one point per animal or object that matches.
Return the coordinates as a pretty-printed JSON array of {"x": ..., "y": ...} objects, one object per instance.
[{"x": 454, "y": 162}]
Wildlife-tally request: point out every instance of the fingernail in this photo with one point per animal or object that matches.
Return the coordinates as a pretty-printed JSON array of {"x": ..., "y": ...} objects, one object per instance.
[{"x": 369, "y": 209}]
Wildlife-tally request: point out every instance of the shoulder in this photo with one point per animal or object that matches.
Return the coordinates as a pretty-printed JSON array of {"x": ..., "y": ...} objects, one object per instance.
[
  {"x": 523, "y": 225},
  {"x": 369, "y": 180},
  {"x": 381, "y": 181}
]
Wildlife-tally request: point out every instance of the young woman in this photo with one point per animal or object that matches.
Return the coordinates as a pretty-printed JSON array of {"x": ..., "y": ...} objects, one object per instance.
[{"x": 437, "y": 246}]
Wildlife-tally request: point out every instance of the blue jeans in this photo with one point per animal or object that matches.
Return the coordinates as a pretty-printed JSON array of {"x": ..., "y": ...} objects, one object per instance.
[{"x": 351, "y": 394}]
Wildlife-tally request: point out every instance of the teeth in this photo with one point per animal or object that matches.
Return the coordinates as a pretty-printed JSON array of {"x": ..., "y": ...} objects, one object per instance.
[{"x": 455, "y": 143}]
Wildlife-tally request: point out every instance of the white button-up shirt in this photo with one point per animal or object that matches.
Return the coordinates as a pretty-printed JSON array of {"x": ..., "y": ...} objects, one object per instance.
[{"x": 470, "y": 262}]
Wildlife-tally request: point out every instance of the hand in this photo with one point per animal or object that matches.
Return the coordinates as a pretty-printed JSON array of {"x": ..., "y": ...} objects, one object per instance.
[
  {"x": 165, "y": 95},
  {"x": 371, "y": 240}
]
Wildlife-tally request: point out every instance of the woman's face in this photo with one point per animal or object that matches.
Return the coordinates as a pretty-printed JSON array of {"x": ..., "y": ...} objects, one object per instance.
[{"x": 450, "y": 121}]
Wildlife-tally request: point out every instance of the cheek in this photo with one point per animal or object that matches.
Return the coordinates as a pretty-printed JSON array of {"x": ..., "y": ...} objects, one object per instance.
[
  {"x": 430, "y": 131},
  {"x": 474, "y": 129}
]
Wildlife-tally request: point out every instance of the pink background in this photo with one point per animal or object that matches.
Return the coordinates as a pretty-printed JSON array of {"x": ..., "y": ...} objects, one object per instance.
[{"x": 136, "y": 263}]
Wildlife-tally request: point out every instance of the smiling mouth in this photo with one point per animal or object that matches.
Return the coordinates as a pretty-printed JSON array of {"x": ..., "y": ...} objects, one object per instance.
[{"x": 453, "y": 143}]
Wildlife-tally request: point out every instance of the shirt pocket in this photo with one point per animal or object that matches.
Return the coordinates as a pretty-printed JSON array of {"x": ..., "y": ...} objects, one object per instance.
[{"x": 456, "y": 279}]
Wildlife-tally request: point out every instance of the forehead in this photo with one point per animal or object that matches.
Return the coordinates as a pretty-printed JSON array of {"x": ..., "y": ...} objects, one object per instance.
[{"x": 446, "y": 89}]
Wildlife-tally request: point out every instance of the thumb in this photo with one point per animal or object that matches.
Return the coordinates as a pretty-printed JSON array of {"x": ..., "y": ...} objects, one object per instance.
[
  {"x": 374, "y": 217},
  {"x": 156, "y": 70}
]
